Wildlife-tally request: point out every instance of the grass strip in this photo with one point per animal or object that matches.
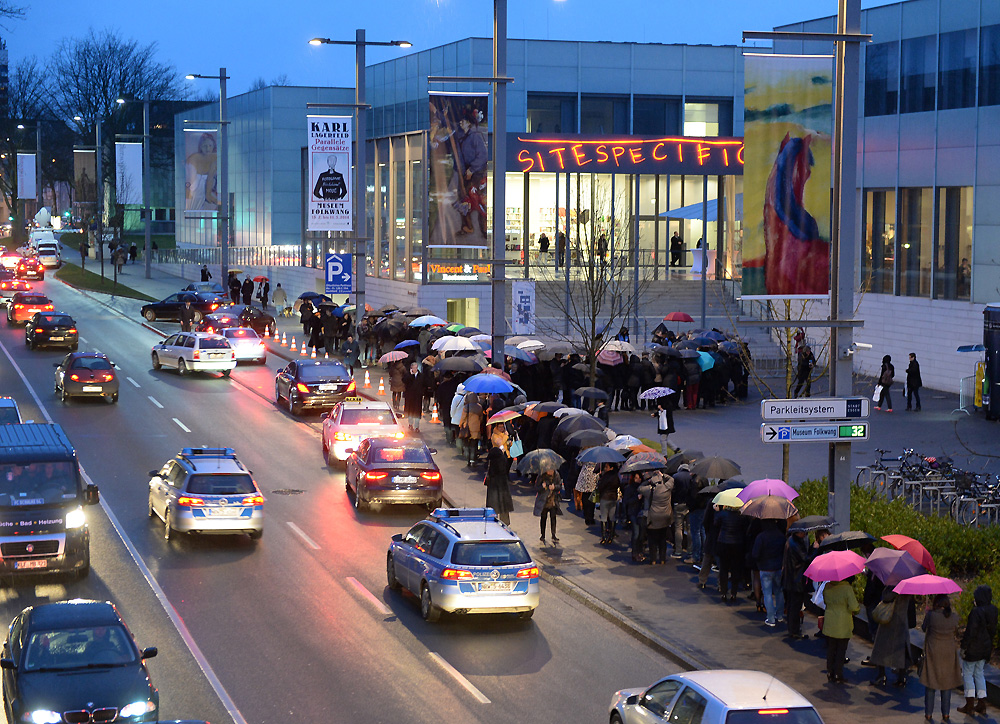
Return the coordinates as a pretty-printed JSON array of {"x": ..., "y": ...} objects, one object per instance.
[{"x": 91, "y": 282}]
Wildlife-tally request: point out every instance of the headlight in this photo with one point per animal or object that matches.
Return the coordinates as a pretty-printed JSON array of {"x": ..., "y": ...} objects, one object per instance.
[
  {"x": 137, "y": 708},
  {"x": 43, "y": 716},
  {"x": 75, "y": 519}
]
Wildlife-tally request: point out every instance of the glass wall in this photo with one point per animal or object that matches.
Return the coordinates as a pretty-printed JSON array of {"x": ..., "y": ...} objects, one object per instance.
[
  {"x": 916, "y": 245},
  {"x": 603, "y": 115},
  {"x": 551, "y": 113},
  {"x": 881, "y": 78},
  {"x": 957, "y": 70},
  {"x": 400, "y": 256},
  {"x": 384, "y": 227},
  {"x": 989, "y": 66},
  {"x": 917, "y": 74},
  {"x": 417, "y": 200},
  {"x": 878, "y": 255},
  {"x": 708, "y": 117},
  {"x": 370, "y": 212},
  {"x": 656, "y": 116},
  {"x": 953, "y": 260}
]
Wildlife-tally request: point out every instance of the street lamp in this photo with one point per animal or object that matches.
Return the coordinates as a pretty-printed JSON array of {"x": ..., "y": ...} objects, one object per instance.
[
  {"x": 360, "y": 162},
  {"x": 99, "y": 183},
  {"x": 146, "y": 210},
  {"x": 223, "y": 168}
]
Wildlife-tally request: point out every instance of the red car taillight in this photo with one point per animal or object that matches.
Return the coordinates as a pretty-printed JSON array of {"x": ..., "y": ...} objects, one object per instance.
[
  {"x": 196, "y": 354},
  {"x": 185, "y": 501},
  {"x": 454, "y": 574},
  {"x": 253, "y": 500},
  {"x": 352, "y": 387},
  {"x": 213, "y": 307},
  {"x": 107, "y": 376},
  {"x": 71, "y": 330},
  {"x": 302, "y": 387},
  {"x": 431, "y": 475},
  {"x": 75, "y": 377},
  {"x": 375, "y": 476},
  {"x": 528, "y": 572},
  {"x": 38, "y": 330},
  {"x": 342, "y": 437}
]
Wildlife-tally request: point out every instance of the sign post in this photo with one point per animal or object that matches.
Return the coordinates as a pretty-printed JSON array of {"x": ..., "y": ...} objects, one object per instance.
[{"x": 339, "y": 277}]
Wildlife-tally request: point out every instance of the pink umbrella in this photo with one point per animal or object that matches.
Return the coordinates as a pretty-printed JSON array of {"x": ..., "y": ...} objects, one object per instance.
[
  {"x": 393, "y": 356},
  {"x": 768, "y": 486},
  {"x": 927, "y": 585},
  {"x": 606, "y": 356},
  {"x": 835, "y": 566},
  {"x": 503, "y": 416}
]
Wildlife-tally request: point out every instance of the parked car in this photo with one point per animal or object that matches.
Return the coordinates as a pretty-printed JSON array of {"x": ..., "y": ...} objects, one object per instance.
[
  {"x": 388, "y": 470},
  {"x": 86, "y": 374},
  {"x": 247, "y": 344},
  {"x": 9, "y": 414},
  {"x": 170, "y": 308},
  {"x": 51, "y": 329},
  {"x": 195, "y": 352}
]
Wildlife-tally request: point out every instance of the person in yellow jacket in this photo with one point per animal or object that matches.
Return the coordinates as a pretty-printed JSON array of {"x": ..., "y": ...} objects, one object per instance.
[{"x": 838, "y": 625}]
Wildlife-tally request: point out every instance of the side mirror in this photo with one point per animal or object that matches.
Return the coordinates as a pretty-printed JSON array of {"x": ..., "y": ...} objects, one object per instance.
[
  {"x": 55, "y": 364},
  {"x": 7, "y": 664},
  {"x": 149, "y": 652},
  {"x": 324, "y": 415},
  {"x": 398, "y": 538},
  {"x": 91, "y": 495},
  {"x": 432, "y": 450}
]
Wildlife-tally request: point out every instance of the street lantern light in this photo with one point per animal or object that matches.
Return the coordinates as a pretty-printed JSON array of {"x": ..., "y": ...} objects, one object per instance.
[{"x": 146, "y": 210}]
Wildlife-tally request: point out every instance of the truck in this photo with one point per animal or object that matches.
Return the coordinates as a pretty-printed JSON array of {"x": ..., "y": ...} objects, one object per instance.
[{"x": 43, "y": 523}]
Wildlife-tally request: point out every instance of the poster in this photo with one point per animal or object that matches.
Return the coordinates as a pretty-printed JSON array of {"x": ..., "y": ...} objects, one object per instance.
[
  {"x": 331, "y": 205},
  {"x": 84, "y": 178},
  {"x": 128, "y": 165},
  {"x": 522, "y": 318},
  {"x": 26, "y": 179},
  {"x": 459, "y": 153},
  {"x": 201, "y": 179},
  {"x": 788, "y": 116}
]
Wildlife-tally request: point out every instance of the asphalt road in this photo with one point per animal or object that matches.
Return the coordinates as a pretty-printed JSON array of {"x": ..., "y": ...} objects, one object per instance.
[{"x": 299, "y": 627}]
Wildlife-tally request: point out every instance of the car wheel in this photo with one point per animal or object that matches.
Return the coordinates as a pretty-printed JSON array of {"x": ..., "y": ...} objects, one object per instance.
[
  {"x": 198, "y": 316},
  {"x": 434, "y": 505},
  {"x": 226, "y": 373},
  {"x": 156, "y": 361},
  {"x": 294, "y": 406},
  {"x": 390, "y": 573},
  {"x": 359, "y": 503},
  {"x": 149, "y": 507},
  {"x": 256, "y": 535},
  {"x": 182, "y": 368},
  {"x": 74, "y": 348},
  {"x": 84, "y": 570},
  {"x": 150, "y": 315},
  {"x": 428, "y": 610},
  {"x": 526, "y": 615},
  {"x": 326, "y": 454},
  {"x": 616, "y": 718},
  {"x": 277, "y": 395},
  {"x": 262, "y": 361}
]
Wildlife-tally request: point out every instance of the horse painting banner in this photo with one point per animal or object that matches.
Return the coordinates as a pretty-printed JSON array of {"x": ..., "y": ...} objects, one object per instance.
[
  {"x": 459, "y": 154},
  {"x": 85, "y": 177},
  {"x": 788, "y": 112},
  {"x": 331, "y": 197}
]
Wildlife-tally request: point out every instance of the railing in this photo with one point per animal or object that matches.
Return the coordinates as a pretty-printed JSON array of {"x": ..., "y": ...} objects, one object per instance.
[
  {"x": 288, "y": 255},
  {"x": 966, "y": 394}
]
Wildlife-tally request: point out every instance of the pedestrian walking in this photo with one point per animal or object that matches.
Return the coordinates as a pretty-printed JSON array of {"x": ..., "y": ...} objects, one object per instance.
[
  {"x": 280, "y": 299},
  {"x": 913, "y": 382},
  {"x": 543, "y": 246},
  {"x": 235, "y": 288},
  {"x": 397, "y": 382},
  {"x": 658, "y": 495},
  {"x": 793, "y": 580},
  {"x": 838, "y": 625},
  {"x": 941, "y": 670},
  {"x": 247, "y": 291},
  {"x": 977, "y": 648},
  {"x": 607, "y": 495},
  {"x": 803, "y": 371},
  {"x": 263, "y": 292},
  {"x": 497, "y": 479},
  {"x": 635, "y": 510},
  {"x": 186, "y": 316},
  {"x": 351, "y": 351},
  {"x": 549, "y": 490},
  {"x": 560, "y": 249},
  {"x": 767, "y": 551},
  {"x": 306, "y": 311},
  {"x": 413, "y": 397},
  {"x": 205, "y": 273},
  {"x": 885, "y": 378},
  {"x": 891, "y": 648},
  {"x": 133, "y": 252},
  {"x": 665, "y": 422},
  {"x": 470, "y": 426},
  {"x": 583, "y": 491},
  {"x": 676, "y": 250},
  {"x": 84, "y": 246}
]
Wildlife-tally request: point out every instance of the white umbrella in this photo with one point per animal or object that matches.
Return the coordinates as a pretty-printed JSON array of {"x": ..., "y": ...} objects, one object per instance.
[
  {"x": 481, "y": 338},
  {"x": 531, "y": 345},
  {"x": 624, "y": 441},
  {"x": 616, "y": 345},
  {"x": 569, "y": 411},
  {"x": 456, "y": 344}
]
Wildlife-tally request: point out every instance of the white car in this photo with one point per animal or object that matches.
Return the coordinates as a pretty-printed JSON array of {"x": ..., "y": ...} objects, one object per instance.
[
  {"x": 195, "y": 352},
  {"x": 351, "y": 421},
  {"x": 721, "y": 696},
  {"x": 48, "y": 254},
  {"x": 248, "y": 345}
]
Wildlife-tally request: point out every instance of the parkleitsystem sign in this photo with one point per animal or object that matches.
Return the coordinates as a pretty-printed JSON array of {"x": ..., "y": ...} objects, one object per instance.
[
  {"x": 815, "y": 419},
  {"x": 815, "y": 408}
]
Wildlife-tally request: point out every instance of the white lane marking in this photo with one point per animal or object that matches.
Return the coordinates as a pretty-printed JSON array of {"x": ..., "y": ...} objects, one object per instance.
[
  {"x": 154, "y": 400},
  {"x": 181, "y": 425},
  {"x": 369, "y": 596},
  {"x": 301, "y": 534},
  {"x": 134, "y": 383},
  {"x": 83, "y": 340},
  {"x": 454, "y": 673},
  {"x": 161, "y": 596},
  {"x": 97, "y": 351}
]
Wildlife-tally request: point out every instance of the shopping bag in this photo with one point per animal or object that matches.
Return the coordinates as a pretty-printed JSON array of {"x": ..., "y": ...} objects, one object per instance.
[
  {"x": 877, "y": 394},
  {"x": 516, "y": 449}
]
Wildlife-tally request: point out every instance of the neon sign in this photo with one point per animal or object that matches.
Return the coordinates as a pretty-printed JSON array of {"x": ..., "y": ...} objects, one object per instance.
[{"x": 531, "y": 153}]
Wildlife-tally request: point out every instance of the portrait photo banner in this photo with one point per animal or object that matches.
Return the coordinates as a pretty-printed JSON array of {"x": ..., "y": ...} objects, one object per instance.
[
  {"x": 84, "y": 177},
  {"x": 459, "y": 154},
  {"x": 331, "y": 196},
  {"x": 26, "y": 176},
  {"x": 522, "y": 318},
  {"x": 787, "y": 176},
  {"x": 128, "y": 167},
  {"x": 201, "y": 178}
]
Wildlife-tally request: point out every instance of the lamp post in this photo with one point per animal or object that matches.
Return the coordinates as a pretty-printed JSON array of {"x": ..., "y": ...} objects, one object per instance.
[
  {"x": 360, "y": 159},
  {"x": 38, "y": 162},
  {"x": 146, "y": 210},
  {"x": 223, "y": 169},
  {"x": 499, "y": 265},
  {"x": 99, "y": 183}
]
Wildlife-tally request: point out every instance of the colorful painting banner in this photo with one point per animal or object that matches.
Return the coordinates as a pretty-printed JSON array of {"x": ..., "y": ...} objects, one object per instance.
[
  {"x": 128, "y": 165},
  {"x": 201, "y": 181},
  {"x": 85, "y": 177},
  {"x": 331, "y": 206},
  {"x": 788, "y": 112}
]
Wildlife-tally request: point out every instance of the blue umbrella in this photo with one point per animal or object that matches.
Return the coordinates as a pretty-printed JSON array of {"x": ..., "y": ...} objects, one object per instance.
[
  {"x": 338, "y": 311},
  {"x": 427, "y": 320},
  {"x": 518, "y": 353},
  {"x": 600, "y": 455},
  {"x": 705, "y": 361},
  {"x": 488, "y": 383},
  {"x": 717, "y": 336},
  {"x": 407, "y": 343}
]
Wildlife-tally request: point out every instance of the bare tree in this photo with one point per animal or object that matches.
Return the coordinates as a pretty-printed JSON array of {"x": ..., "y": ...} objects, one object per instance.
[
  {"x": 278, "y": 80},
  {"x": 10, "y": 11}
]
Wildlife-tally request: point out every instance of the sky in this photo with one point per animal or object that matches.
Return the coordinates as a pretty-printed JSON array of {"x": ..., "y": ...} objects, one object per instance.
[{"x": 267, "y": 39}]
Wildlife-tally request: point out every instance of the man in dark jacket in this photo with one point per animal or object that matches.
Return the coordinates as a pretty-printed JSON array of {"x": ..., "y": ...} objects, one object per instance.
[
  {"x": 607, "y": 491},
  {"x": 793, "y": 580},
  {"x": 234, "y": 288},
  {"x": 767, "y": 553},
  {"x": 186, "y": 316},
  {"x": 977, "y": 648},
  {"x": 913, "y": 382},
  {"x": 442, "y": 396},
  {"x": 330, "y": 328},
  {"x": 683, "y": 493},
  {"x": 247, "y": 291}
]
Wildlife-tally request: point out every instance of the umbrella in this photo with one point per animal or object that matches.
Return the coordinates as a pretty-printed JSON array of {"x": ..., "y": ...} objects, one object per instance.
[
  {"x": 892, "y": 566},
  {"x": 685, "y": 456},
  {"x": 641, "y": 448},
  {"x": 496, "y": 371},
  {"x": 469, "y": 331},
  {"x": 654, "y": 393},
  {"x": 705, "y": 361},
  {"x": 538, "y": 461},
  {"x": 703, "y": 341},
  {"x": 261, "y": 278},
  {"x": 517, "y": 339},
  {"x": 393, "y": 356},
  {"x": 571, "y": 423},
  {"x": 240, "y": 271},
  {"x": 732, "y": 484},
  {"x": 927, "y": 585},
  {"x": 518, "y": 353},
  {"x": 591, "y": 393},
  {"x": 914, "y": 547},
  {"x": 560, "y": 348},
  {"x": 427, "y": 320},
  {"x": 327, "y": 305},
  {"x": 616, "y": 345},
  {"x": 768, "y": 486},
  {"x": 488, "y": 384},
  {"x": 312, "y": 296},
  {"x": 407, "y": 343},
  {"x": 678, "y": 317},
  {"x": 608, "y": 357},
  {"x": 455, "y": 344},
  {"x": 421, "y": 312},
  {"x": 773, "y": 507},
  {"x": 600, "y": 455},
  {"x": 549, "y": 406},
  {"x": 717, "y": 336},
  {"x": 727, "y": 499},
  {"x": 624, "y": 441},
  {"x": 503, "y": 416},
  {"x": 812, "y": 522},
  {"x": 716, "y": 468},
  {"x": 640, "y": 466},
  {"x": 729, "y": 348},
  {"x": 846, "y": 540},
  {"x": 483, "y": 340},
  {"x": 587, "y": 438},
  {"x": 649, "y": 455},
  {"x": 458, "y": 364},
  {"x": 530, "y": 345},
  {"x": 455, "y": 327},
  {"x": 570, "y": 412},
  {"x": 835, "y": 566},
  {"x": 387, "y": 308}
]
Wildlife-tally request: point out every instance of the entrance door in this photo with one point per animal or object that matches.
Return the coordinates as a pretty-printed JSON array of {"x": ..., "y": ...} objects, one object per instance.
[{"x": 464, "y": 311}]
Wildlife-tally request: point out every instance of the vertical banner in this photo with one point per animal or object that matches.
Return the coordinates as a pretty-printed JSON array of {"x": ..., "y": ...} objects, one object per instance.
[
  {"x": 128, "y": 162},
  {"x": 85, "y": 177},
  {"x": 522, "y": 318},
  {"x": 26, "y": 176},
  {"x": 459, "y": 153},
  {"x": 201, "y": 179},
  {"x": 788, "y": 112},
  {"x": 331, "y": 205}
]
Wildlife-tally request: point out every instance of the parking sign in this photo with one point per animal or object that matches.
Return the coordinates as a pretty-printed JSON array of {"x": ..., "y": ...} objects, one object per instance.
[{"x": 338, "y": 274}]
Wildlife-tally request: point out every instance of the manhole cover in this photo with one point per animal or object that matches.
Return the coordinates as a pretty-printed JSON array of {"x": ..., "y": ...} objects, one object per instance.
[{"x": 288, "y": 491}]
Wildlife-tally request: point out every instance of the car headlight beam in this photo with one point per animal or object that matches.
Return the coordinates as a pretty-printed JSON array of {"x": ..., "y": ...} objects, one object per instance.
[
  {"x": 43, "y": 716},
  {"x": 76, "y": 518},
  {"x": 136, "y": 708}
]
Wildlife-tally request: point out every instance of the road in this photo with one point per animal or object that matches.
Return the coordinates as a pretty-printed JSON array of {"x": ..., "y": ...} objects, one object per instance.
[{"x": 301, "y": 626}]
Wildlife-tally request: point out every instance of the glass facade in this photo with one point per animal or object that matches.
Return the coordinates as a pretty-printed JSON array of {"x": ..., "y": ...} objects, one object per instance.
[
  {"x": 918, "y": 57},
  {"x": 551, "y": 113},
  {"x": 878, "y": 254},
  {"x": 881, "y": 79},
  {"x": 957, "y": 70},
  {"x": 953, "y": 260},
  {"x": 656, "y": 116},
  {"x": 989, "y": 66},
  {"x": 916, "y": 223},
  {"x": 708, "y": 117},
  {"x": 603, "y": 115}
]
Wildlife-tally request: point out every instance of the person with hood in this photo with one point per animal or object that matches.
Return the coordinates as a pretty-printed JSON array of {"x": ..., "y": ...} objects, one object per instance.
[
  {"x": 586, "y": 484},
  {"x": 497, "y": 479},
  {"x": 634, "y": 509},
  {"x": 941, "y": 669},
  {"x": 682, "y": 498},
  {"x": 397, "y": 382},
  {"x": 607, "y": 492},
  {"x": 891, "y": 648},
  {"x": 456, "y": 405},
  {"x": 247, "y": 290},
  {"x": 794, "y": 561},
  {"x": 885, "y": 378},
  {"x": 658, "y": 498},
  {"x": 977, "y": 648},
  {"x": 424, "y": 337},
  {"x": 549, "y": 491}
]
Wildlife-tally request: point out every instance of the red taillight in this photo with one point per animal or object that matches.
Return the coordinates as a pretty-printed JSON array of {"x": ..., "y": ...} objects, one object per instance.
[
  {"x": 38, "y": 330},
  {"x": 18, "y": 306},
  {"x": 75, "y": 377},
  {"x": 213, "y": 307},
  {"x": 353, "y": 386},
  {"x": 454, "y": 574},
  {"x": 376, "y": 476},
  {"x": 210, "y": 330},
  {"x": 48, "y": 308},
  {"x": 71, "y": 330},
  {"x": 196, "y": 354},
  {"x": 302, "y": 387},
  {"x": 185, "y": 501},
  {"x": 254, "y": 500},
  {"x": 342, "y": 437},
  {"x": 528, "y": 572},
  {"x": 772, "y": 711},
  {"x": 431, "y": 475},
  {"x": 107, "y": 376}
]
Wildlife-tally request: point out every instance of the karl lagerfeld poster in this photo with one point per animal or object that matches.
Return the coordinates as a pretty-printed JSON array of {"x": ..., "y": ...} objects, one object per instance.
[{"x": 331, "y": 205}]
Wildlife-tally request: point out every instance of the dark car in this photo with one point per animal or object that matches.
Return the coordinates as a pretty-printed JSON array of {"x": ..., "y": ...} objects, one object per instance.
[
  {"x": 76, "y": 661},
  {"x": 51, "y": 329},
  {"x": 213, "y": 287},
  {"x": 387, "y": 470},
  {"x": 259, "y": 321},
  {"x": 215, "y": 323},
  {"x": 313, "y": 384},
  {"x": 86, "y": 374},
  {"x": 29, "y": 268},
  {"x": 170, "y": 308}
]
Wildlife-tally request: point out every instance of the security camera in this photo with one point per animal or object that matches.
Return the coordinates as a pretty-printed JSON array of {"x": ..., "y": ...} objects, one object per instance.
[
  {"x": 861, "y": 345},
  {"x": 846, "y": 352}
]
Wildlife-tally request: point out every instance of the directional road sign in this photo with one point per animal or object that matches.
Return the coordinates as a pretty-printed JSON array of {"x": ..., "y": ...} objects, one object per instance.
[
  {"x": 816, "y": 408},
  {"x": 338, "y": 274},
  {"x": 820, "y": 432}
]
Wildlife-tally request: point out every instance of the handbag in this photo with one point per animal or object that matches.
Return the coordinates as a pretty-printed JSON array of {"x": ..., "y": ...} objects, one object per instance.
[
  {"x": 882, "y": 613},
  {"x": 516, "y": 448},
  {"x": 595, "y": 498},
  {"x": 817, "y": 597},
  {"x": 877, "y": 394},
  {"x": 463, "y": 431}
]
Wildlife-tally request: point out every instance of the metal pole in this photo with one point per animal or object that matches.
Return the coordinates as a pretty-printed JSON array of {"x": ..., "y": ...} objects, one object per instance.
[
  {"x": 147, "y": 212},
  {"x": 100, "y": 192},
  {"x": 635, "y": 259},
  {"x": 704, "y": 252},
  {"x": 566, "y": 254},
  {"x": 38, "y": 167},
  {"x": 498, "y": 267},
  {"x": 360, "y": 180},
  {"x": 845, "y": 144},
  {"x": 223, "y": 179}
]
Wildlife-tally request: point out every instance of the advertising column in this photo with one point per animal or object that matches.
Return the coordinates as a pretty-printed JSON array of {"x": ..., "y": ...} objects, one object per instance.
[{"x": 331, "y": 205}]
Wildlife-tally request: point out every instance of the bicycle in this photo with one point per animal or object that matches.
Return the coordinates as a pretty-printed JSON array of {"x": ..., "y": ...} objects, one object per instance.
[
  {"x": 977, "y": 498},
  {"x": 877, "y": 475}
]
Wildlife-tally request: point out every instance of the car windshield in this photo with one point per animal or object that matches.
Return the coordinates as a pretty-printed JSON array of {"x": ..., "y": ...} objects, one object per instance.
[
  {"x": 408, "y": 454},
  {"x": 34, "y": 299},
  {"x": 210, "y": 343},
  {"x": 55, "y": 319},
  {"x": 241, "y": 333},
  {"x": 320, "y": 373},
  {"x": 366, "y": 417},
  {"x": 37, "y": 483},
  {"x": 774, "y": 715},
  {"x": 9, "y": 416},
  {"x": 490, "y": 553},
  {"x": 227, "y": 484},
  {"x": 79, "y": 648},
  {"x": 90, "y": 363}
]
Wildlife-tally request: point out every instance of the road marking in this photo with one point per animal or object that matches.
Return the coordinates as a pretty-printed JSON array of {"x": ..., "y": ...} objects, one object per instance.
[
  {"x": 83, "y": 340},
  {"x": 153, "y": 400},
  {"x": 370, "y": 597},
  {"x": 181, "y": 425},
  {"x": 97, "y": 351},
  {"x": 301, "y": 534},
  {"x": 454, "y": 673},
  {"x": 134, "y": 383}
]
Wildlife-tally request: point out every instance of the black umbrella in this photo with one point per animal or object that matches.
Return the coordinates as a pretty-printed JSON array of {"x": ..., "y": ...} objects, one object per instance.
[
  {"x": 813, "y": 522},
  {"x": 638, "y": 466},
  {"x": 732, "y": 483},
  {"x": 688, "y": 354},
  {"x": 716, "y": 467},
  {"x": 729, "y": 348},
  {"x": 711, "y": 490},
  {"x": 591, "y": 393},
  {"x": 704, "y": 341},
  {"x": 660, "y": 328},
  {"x": 685, "y": 456},
  {"x": 419, "y": 312},
  {"x": 717, "y": 336},
  {"x": 685, "y": 344},
  {"x": 586, "y": 438},
  {"x": 574, "y": 423},
  {"x": 470, "y": 332},
  {"x": 313, "y": 296},
  {"x": 846, "y": 540},
  {"x": 600, "y": 454},
  {"x": 585, "y": 368},
  {"x": 548, "y": 406},
  {"x": 458, "y": 364},
  {"x": 387, "y": 308}
]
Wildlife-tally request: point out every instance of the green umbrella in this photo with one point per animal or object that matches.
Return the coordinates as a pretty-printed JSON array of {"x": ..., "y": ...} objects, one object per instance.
[{"x": 455, "y": 327}]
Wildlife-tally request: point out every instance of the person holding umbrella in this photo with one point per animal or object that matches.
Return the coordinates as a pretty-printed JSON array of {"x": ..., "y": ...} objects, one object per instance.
[
  {"x": 767, "y": 551},
  {"x": 497, "y": 480},
  {"x": 633, "y": 502},
  {"x": 891, "y": 648},
  {"x": 838, "y": 625},
  {"x": 941, "y": 670},
  {"x": 793, "y": 567},
  {"x": 607, "y": 493},
  {"x": 665, "y": 422},
  {"x": 549, "y": 491},
  {"x": 583, "y": 491}
]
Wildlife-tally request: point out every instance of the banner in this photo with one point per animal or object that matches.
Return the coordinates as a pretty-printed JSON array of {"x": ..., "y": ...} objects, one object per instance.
[
  {"x": 788, "y": 106},
  {"x": 26, "y": 178},
  {"x": 201, "y": 178},
  {"x": 522, "y": 318},
  {"x": 459, "y": 154},
  {"x": 331, "y": 205},
  {"x": 85, "y": 177},
  {"x": 128, "y": 163}
]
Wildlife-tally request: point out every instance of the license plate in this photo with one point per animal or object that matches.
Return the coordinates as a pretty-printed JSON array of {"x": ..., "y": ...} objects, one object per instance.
[
  {"x": 327, "y": 388},
  {"x": 40, "y": 563},
  {"x": 405, "y": 479},
  {"x": 223, "y": 512},
  {"x": 494, "y": 586},
  {"x": 92, "y": 388},
  {"x": 215, "y": 355},
  {"x": 57, "y": 339}
]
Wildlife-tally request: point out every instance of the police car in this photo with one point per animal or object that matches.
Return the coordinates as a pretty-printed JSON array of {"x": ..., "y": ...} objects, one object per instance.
[
  {"x": 351, "y": 421},
  {"x": 464, "y": 561}
]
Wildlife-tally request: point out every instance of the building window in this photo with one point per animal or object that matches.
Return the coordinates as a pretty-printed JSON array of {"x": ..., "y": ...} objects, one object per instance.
[
  {"x": 989, "y": 66},
  {"x": 916, "y": 221},
  {"x": 384, "y": 226},
  {"x": 399, "y": 207},
  {"x": 551, "y": 113},
  {"x": 656, "y": 116},
  {"x": 708, "y": 118},
  {"x": 918, "y": 81},
  {"x": 417, "y": 200},
  {"x": 953, "y": 260},
  {"x": 957, "y": 70},
  {"x": 370, "y": 212},
  {"x": 603, "y": 115},
  {"x": 878, "y": 255},
  {"x": 881, "y": 79}
]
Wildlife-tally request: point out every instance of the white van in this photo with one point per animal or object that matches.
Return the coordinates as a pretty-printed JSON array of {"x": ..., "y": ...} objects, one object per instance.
[
  {"x": 48, "y": 254},
  {"x": 41, "y": 236}
]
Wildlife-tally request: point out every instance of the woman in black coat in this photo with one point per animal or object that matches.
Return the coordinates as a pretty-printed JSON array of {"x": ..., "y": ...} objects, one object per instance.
[
  {"x": 413, "y": 397},
  {"x": 498, "y": 478}
]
